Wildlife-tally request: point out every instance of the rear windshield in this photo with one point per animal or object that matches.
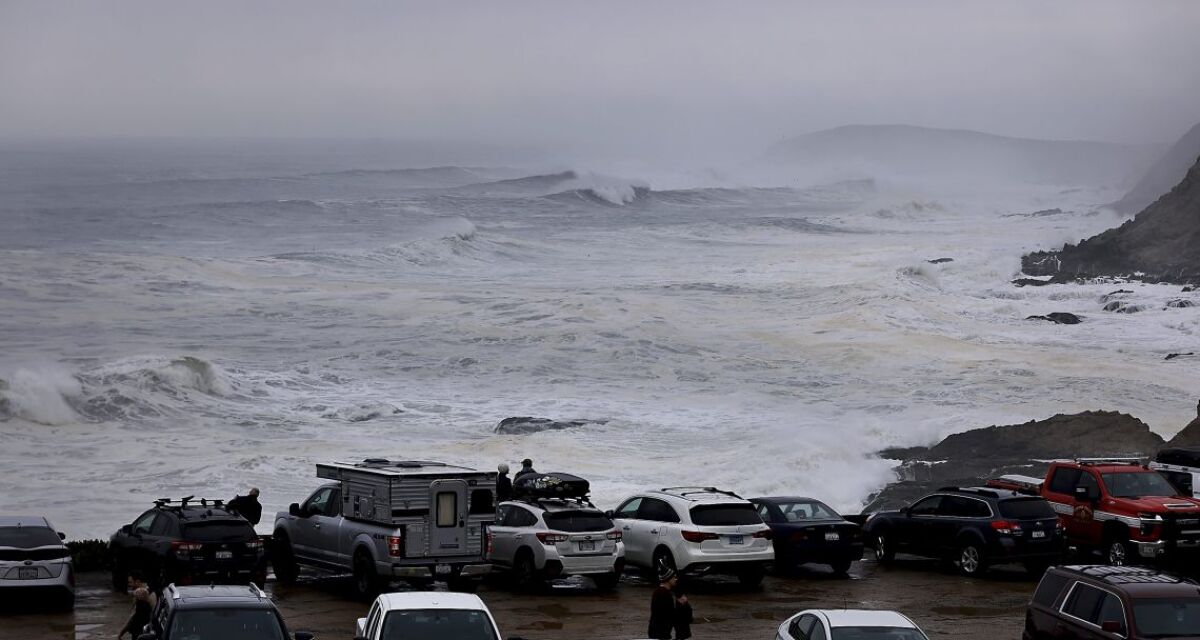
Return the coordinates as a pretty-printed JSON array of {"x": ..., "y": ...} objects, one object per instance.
[
  {"x": 1165, "y": 617},
  {"x": 574, "y": 521},
  {"x": 219, "y": 531},
  {"x": 724, "y": 515},
  {"x": 1026, "y": 509},
  {"x": 437, "y": 624},
  {"x": 227, "y": 624},
  {"x": 877, "y": 633},
  {"x": 28, "y": 537},
  {"x": 807, "y": 510}
]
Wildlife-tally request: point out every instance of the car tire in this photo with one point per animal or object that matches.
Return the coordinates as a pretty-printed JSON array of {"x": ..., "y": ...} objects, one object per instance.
[
  {"x": 751, "y": 578},
  {"x": 885, "y": 552},
  {"x": 841, "y": 567},
  {"x": 525, "y": 574},
  {"x": 607, "y": 581},
  {"x": 366, "y": 582},
  {"x": 971, "y": 559},
  {"x": 1117, "y": 551},
  {"x": 283, "y": 559},
  {"x": 662, "y": 557}
]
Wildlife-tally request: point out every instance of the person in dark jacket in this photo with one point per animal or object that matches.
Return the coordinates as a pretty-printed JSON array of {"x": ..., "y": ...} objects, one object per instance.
[
  {"x": 144, "y": 601},
  {"x": 683, "y": 615},
  {"x": 503, "y": 484},
  {"x": 247, "y": 506},
  {"x": 526, "y": 469},
  {"x": 662, "y": 605}
]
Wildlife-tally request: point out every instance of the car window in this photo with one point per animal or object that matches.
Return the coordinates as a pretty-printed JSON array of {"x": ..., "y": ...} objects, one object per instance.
[
  {"x": 1048, "y": 589},
  {"x": 1088, "y": 481},
  {"x": 520, "y": 517},
  {"x": 877, "y": 633},
  {"x": 577, "y": 521},
  {"x": 165, "y": 526},
  {"x": 144, "y": 523},
  {"x": 28, "y": 537},
  {"x": 1084, "y": 603},
  {"x": 1182, "y": 481},
  {"x": 437, "y": 624},
  {"x": 1064, "y": 480},
  {"x": 659, "y": 511},
  {"x": 807, "y": 510},
  {"x": 963, "y": 507},
  {"x": 818, "y": 632},
  {"x": 372, "y": 618},
  {"x": 926, "y": 507},
  {"x": 502, "y": 513},
  {"x": 764, "y": 512},
  {"x": 319, "y": 501},
  {"x": 1165, "y": 617},
  {"x": 227, "y": 624},
  {"x": 802, "y": 627},
  {"x": 334, "y": 506},
  {"x": 1137, "y": 485},
  {"x": 1111, "y": 611},
  {"x": 628, "y": 510},
  {"x": 1026, "y": 509},
  {"x": 724, "y": 515}
]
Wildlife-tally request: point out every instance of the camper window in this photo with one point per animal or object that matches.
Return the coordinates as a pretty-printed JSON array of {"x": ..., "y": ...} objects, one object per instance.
[{"x": 447, "y": 509}]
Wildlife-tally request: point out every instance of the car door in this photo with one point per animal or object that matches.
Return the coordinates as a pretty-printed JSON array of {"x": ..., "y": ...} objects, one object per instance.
[
  {"x": 625, "y": 517},
  {"x": 448, "y": 510},
  {"x": 911, "y": 529},
  {"x": 1084, "y": 610},
  {"x": 305, "y": 534},
  {"x": 501, "y": 549},
  {"x": 139, "y": 552},
  {"x": 654, "y": 520},
  {"x": 802, "y": 627},
  {"x": 329, "y": 544},
  {"x": 953, "y": 514}
]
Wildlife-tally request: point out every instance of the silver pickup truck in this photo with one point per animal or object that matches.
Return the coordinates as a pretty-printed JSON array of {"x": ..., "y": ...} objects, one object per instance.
[{"x": 384, "y": 520}]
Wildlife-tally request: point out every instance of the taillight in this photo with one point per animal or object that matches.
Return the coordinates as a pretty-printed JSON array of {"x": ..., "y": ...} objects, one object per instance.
[
  {"x": 552, "y": 538},
  {"x": 697, "y": 536},
  {"x": 764, "y": 534},
  {"x": 614, "y": 535},
  {"x": 185, "y": 548},
  {"x": 799, "y": 536},
  {"x": 1006, "y": 528},
  {"x": 395, "y": 550},
  {"x": 255, "y": 545}
]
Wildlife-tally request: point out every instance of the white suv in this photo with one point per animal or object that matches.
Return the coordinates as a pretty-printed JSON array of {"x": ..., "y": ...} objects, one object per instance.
[
  {"x": 426, "y": 614},
  {"x": 696, "y": 530},
  {"x": 554, "y": 538}
]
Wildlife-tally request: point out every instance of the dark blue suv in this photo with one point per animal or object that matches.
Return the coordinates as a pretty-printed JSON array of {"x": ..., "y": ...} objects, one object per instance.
[{"x": 972, "y": 527}]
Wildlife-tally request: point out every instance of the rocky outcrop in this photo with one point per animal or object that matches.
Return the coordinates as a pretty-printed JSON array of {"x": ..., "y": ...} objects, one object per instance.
[
  {"x": 1189, "y": 436},
  {"x": 1160, "y": 244},
  {"x": 524, "y": 425},
  {"x": 1058, "y": 317},
  {"x": 1164, "y": 174}
]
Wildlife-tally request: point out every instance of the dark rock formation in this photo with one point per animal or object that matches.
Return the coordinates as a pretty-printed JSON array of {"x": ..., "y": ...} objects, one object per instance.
[
  {"x": 1172, "y": 356},
  {"x": 1160, "y": 244},
  {"x": 1031, "y": 282},
  {"x": 1114, "y": 294},
  {"x": 1058, "y": 317},
  {"x": 940, "y": 260},
  {"x": 1189, "y": 289},
  {"x": 1180, "y": 303},
  {"x": 1163, "y": 175},
  {"x": 1189, "y": 436},
  {"x": 523, "y": 425},
  {"x": 1123, "y": 307}
]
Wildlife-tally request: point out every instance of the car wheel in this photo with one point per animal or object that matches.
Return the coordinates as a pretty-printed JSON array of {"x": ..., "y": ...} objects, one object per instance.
[
  {"x": 885, "y": 553},
  {"x": 971, "y": 561},
  {"x": 841, "y": 567},
  {"x": 366, "y": 583},
  {"x": 525, "y": 575},
  {"x": 662, "y": 558},
  {"x": 607, "y": 581},
  {"x": 751, "y": 578},
  {"x": 1116, "y": 552},
  {"x": 283, "y": 560}
]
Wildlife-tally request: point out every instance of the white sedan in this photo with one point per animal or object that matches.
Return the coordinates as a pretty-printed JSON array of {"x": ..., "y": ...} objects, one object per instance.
[
  {"x": 849, "y": 624},
  {"x": 427, "y": 615}
]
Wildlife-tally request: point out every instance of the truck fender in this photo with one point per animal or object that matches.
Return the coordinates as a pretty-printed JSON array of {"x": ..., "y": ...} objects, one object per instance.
[{"x": 363, "y": 540}]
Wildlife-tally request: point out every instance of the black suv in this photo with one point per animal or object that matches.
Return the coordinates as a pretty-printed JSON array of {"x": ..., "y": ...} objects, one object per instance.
[
  {"x": 972, "y": 527},
  {"x": 188, "y": 541},
  {"x": 226, "y": 612},
  {"x": 1112, "y": 602}
]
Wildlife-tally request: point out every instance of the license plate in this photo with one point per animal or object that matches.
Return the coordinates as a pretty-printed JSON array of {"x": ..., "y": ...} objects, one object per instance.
[
  {"x": 1039, "y": 534},
  {"x": 224, "y": 555},
  {"x": 737, "y": 539},
  {"x": 443, "y": 569},
  {"x": 27, "y": 573},
  {"x": 832, "y": 537},
  {"x": 587, "y": 545}
]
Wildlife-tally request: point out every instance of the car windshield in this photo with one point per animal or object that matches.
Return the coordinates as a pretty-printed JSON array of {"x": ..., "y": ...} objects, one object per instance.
[
  {"x": 802, "y": 510},
  {"x": 877, "y": 633},
  {"x": 573, "y": 521},
  {"x": 725, "y": 515},
  {"x": 226, "y": 624},
  {"x": 1026, "y": 509},
  {"x": 28, "y": 537},
  {"x": 1166, "y": 617},
  {"x": 1138, "y": 484},
  {"x": 437, "y": 624},
  {"x": 219, "y": 531}
]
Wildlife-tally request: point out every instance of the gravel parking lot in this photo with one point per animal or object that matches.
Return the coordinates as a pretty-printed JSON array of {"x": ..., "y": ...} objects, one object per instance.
[{"x": 945, "y": 605}]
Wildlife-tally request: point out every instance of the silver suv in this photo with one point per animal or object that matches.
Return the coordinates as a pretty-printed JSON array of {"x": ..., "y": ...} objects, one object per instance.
[
  {"x": 696, "y": 531},
  {"x": 537, "y": 540}
]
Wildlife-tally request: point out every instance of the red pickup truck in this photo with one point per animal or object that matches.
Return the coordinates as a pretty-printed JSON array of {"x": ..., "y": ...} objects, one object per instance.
[{"x": 1119, "y": 506}]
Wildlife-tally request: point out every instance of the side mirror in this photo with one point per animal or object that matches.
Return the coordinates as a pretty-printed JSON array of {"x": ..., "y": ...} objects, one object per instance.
[
  {"x": 607, "y": 514},
  {"x": 126, "y": 529},
  {"x": 906, "y": 511},
  {"x": 1084, "y": 495},
  {"x": 62, "y": 536},
  {"x": 1112, "y": 626},
  {"x": 303, "y": 635},
  {"x": 294, "y": 509}
]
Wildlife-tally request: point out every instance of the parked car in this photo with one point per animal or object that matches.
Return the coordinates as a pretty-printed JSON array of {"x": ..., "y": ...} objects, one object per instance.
[
  {"x": 33, "y": 560},
  {"x": 383, "y": 520},
  {"x": 1107, "y": 602},
  {"x": 225, "y": 612},
  {"x": 849, "y": 624},
  {"x": 695, "y": 530},
  {"x": 805, "y": 530},
  {"x": 423, "y": 615},
  {"x": 188, "y": 541},
  {"x": 1120, "y": 506},
  {"x": 535, "y": 540},
  {"x": 1180, "y": 465},
  {"x": 972, "y": 527}
]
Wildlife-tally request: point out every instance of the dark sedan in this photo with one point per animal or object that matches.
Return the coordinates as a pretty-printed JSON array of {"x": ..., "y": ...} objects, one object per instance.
[{"x": 808, "y": 531}]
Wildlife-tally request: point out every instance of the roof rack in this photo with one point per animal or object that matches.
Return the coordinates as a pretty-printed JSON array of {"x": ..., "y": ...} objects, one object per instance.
[
  {"x": 537, "y": 501},
  {"x": 983, "y": 491},
  {"x": 684, "y": 492},
  {"x": 403, "y": 464},
  {"x": 184, "y": 502},
  {"x": 1109, "y": 461}
]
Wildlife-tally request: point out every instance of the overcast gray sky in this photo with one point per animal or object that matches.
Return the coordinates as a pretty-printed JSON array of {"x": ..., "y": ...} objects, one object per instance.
[{"x": 609, "y": 74}]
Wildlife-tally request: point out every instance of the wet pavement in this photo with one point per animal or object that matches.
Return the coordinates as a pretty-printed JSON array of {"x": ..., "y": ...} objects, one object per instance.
[{"x": 943, "y": 604}]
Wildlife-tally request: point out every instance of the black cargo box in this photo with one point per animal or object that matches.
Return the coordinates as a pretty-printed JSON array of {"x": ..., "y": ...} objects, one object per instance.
[
  {"x": 1182, "y": 456},
  {"x": 550, "y": 485}
]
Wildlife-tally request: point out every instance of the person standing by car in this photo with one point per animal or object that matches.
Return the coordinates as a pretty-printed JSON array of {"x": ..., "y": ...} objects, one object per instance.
[
  {"x": 503, "y": 484},
  {"x": 683, "y": 615},
  {"x": 144, "y": 601},
  {"x": 526, "y": 469},
  {"x": 247, "y": 506},
  {"x": 663, "y": 604}
]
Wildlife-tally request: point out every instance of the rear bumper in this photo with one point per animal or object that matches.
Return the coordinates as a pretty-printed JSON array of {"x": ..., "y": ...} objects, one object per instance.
[
  {"x": 1009, "y": 550},
  {"x": 802, "y": 552},
  {"x": 723, "y": 568},
  {"x": 447, "y": 570},
  {"x": 584, "y": 565}
]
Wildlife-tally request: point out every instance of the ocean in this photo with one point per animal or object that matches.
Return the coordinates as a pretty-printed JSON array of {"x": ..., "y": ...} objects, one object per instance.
[{"x": 184, "y": 319}]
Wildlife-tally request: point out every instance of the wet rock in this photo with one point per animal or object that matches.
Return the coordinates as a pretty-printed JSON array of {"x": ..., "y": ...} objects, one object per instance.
[
  {"x": 1189, "y": 436},
  {"x": 524, "y": 425},
  {"x": 1114, "y": 294},
  {"x": 940, "y": 260},
  {"x": 1172, "y": 356},
  {"x": 1030, "y": 282},
  {"x": 1180, "y": 303},
  {"x": 1189, "y": 289},
  {"x": 1058, "y": 317},
  {"x": 1118, "y": 306}
]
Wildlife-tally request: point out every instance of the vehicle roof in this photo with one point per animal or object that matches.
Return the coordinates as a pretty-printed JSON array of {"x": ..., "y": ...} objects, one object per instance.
[
  {"x": 432, "y": 600},
  {"x": 864, "y": 618},
  {"x": 1106, "y": 467},
  {"x": 24, "y": 521},
  {"x": 1139, "y": 582},
  {"x": 204, "y": 596},
  {"x": 779, "y": 499},
  {"x": 696, "y": 494},
  {"x": 985, "y": 493},
  {"x": 196, "y": 513},
  {"x": 554, "y": 505},
  {"x": 386, "y": 466}
]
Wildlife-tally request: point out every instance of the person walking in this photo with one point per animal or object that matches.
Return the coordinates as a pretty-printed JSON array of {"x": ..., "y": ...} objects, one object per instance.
[
  {"x": 663, "y": 604},
  {"x": 144, "y": 601},
  {"x": 503, "y": 484},
  {"x": 247, "y": 506},
  {"x": 526, "y": 469}
]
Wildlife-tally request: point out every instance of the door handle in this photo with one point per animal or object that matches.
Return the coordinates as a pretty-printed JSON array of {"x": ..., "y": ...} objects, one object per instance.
[
  {"x": 654, "y": 531},
  {"x": 626, "y": 528},
  {"x": 316, "y": 525}
]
